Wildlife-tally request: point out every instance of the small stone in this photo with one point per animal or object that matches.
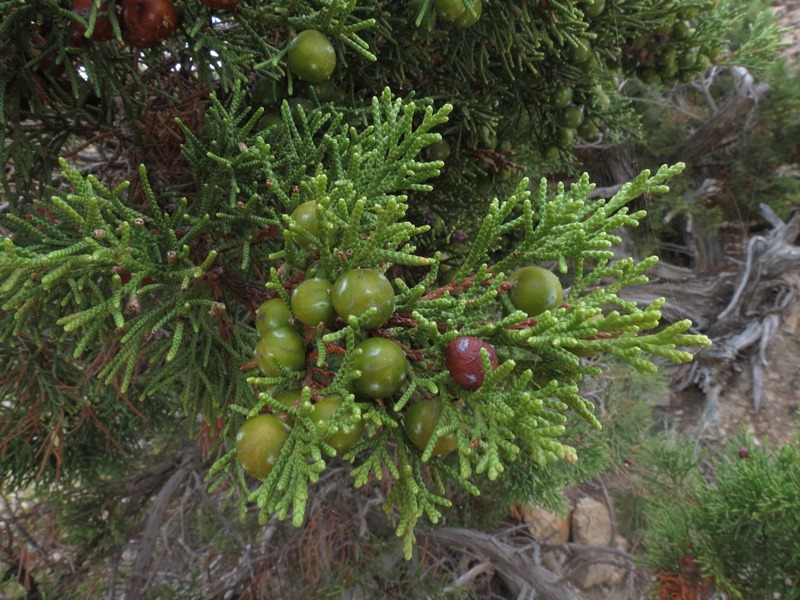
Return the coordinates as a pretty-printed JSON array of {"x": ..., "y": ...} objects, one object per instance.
[
  {"x": 610, "y": 574},
  {"x": 600, "y": 574},
  {"x": 591, "y": 523},
  {"x": 553, "y": 561},
  {"x": 544, "y": 526}
]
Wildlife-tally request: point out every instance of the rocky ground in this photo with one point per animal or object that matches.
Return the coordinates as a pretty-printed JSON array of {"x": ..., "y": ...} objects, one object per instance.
[
  {"x": 788, "y": 13},
  {"x": 777, "y": 416}
]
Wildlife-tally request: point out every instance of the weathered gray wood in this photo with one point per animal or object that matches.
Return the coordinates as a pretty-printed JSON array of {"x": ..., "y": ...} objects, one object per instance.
[
  {"x": 727, "y": 121},
  {"x": 740, "y": 307},
  {"x": 524, "y": 577}
]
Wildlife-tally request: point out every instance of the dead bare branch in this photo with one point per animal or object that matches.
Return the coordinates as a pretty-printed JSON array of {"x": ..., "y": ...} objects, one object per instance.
[
  {"x": 728, "y": 119},
  {"x": 139, "y": 575},
  {"x": 740, "y": 307},
  {"x": 524, "y": 577}
]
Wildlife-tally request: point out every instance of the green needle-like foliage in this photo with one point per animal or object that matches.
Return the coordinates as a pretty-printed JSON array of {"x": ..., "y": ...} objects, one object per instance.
[
  {"x": 523, "y": 404},
  {"x": 139, "y": 283},
  {"x": 135, "y": 292},
  {"x": 500, "y": 74},
  {"x": 737, "y": 532}
]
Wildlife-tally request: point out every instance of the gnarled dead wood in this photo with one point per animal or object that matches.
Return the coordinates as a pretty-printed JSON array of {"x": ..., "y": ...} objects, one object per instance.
[
  {"x": 727, "y": 121},
  {"x": 523, "y": 576},
  {"x": 190, "y": 461},
  {"x": 740, "y": 308}
]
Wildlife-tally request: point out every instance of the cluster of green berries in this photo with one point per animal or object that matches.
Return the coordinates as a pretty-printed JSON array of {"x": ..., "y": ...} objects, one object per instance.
[
  {"x": 672, "y": 54},
  {"x": 314, "y": 302},
  {"x": 382, "y": 363},
  {"x": 425, "y": 12},
  {"x": 318, "y": 302},
  {"x": 575, "y": 117}
]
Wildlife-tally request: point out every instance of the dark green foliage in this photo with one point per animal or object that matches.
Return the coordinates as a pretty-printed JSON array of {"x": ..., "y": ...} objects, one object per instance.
[
  {"x": 739, "y": 525},
  {"x": 57, "y": 425},
  {"x": 499, "y": 74}
]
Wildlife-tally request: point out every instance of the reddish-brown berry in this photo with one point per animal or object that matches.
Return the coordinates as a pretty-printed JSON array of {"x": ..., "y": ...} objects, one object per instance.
[
  {"x": 50, "y": 67},
  {"x": 688, "y": 562},
  {"x": 103, "y": 31},
  {"x": 462, "y": 358},
  {"x": 744, "y": 452},
  {"x": 458, "y": 237},
  {"x": 147, "y": 22}
]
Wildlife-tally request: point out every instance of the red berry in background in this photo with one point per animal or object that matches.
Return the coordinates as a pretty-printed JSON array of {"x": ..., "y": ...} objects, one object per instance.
[
  {"x": 221, "y": 4},
  {"x": 462, "y": 358},
  {"x": 744, "y": 452},
  {"x": 49, "y": 66},
  {"x": 103, "y": 31},
  {"x": 458, "y": 237},
  {"x": 688, "y": 562},
  {"x": 147, "y": 22}
]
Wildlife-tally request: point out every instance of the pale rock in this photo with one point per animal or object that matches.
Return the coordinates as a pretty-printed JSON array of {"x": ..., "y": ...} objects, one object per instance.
[
  {"x": 544, "y": 526},
  {"x": 591, "y": 523},
  {"x": 609, "y": 574},
  {"x": 548, "y": 528},
  {"x": 553, "y": 561}
]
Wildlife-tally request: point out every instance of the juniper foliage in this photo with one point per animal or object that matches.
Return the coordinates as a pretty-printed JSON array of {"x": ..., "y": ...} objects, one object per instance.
[
  {"x": 177, "y": 323},
  {"x": 128, "y": 286}
]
